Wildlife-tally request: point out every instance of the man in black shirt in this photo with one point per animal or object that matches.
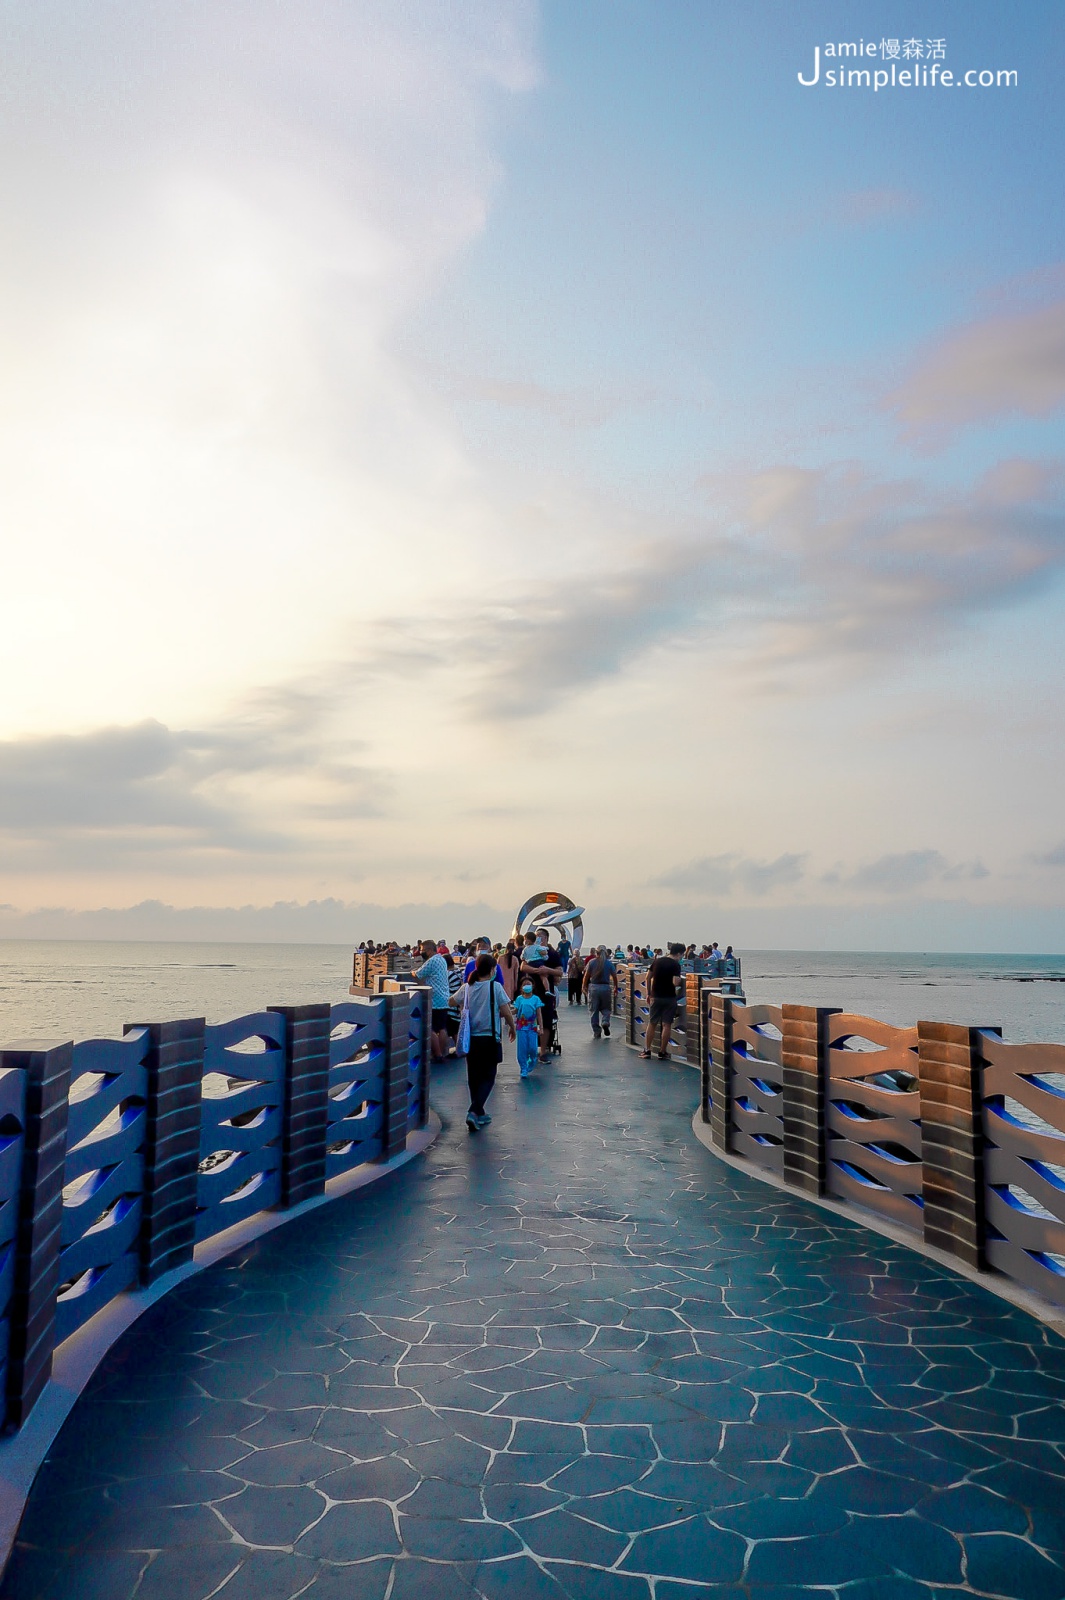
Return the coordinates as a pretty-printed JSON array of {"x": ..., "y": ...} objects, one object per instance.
[{"x": 662, "y": 977}]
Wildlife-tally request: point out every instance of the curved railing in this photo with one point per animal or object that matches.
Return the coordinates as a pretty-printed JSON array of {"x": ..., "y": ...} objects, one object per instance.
[
  {"x": 944, "y": 1130},
  {"x": 119, "y": 1156}
]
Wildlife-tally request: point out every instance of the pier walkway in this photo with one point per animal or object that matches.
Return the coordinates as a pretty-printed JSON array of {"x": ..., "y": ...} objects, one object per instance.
[{"x": 571, "y": 1356}]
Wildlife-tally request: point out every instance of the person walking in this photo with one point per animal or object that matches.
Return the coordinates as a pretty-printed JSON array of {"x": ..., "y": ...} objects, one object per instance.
[
  {"x": 601, "y": 986},
  {"x": 540, "y": 964},
  {"x": 575, "y": 978},
  {"x": 662, "y": 977},
  {"x": 510, "y": 966},
  {"x": 481, "y": 947},
  {"x": 527, "y": 1009},
  {"x": 488, "y": 1007}
]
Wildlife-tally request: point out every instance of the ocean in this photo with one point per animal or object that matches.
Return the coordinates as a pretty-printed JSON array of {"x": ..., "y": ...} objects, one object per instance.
[{"x": 59, "y": 989}]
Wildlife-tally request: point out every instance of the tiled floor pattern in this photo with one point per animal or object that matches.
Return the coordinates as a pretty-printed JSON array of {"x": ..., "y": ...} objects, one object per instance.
[{"x": 571, "y": 1356}]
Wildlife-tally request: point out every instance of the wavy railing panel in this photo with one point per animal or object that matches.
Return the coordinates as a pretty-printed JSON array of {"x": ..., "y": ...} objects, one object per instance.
[
  {"x": 356, "y": 1123},
  {"x": 873, "y": 1117},
  {"x": 240, "y": 1121},
  {"x": 12, "y": 1130},
  {"x": 640, "y": 1008},
  {"x": 103, "y": 1176},
  {"x": 758, "y": 1085},
  {"x": 1024, "y": 1162},
  {"x": 417, "y": 1046}
]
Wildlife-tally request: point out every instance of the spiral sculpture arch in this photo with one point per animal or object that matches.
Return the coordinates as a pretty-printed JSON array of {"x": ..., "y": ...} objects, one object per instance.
[{"x": 550, "y": 910}]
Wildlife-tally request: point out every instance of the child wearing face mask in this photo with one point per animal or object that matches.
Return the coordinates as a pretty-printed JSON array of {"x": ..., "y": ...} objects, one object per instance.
[{"x": 527, "y": 1007}]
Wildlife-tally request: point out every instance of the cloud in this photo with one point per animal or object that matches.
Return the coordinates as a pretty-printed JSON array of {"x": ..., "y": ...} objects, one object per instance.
[
  {"x": 327, "y": 920},
  {"x": 1008, "y": 364},
  {"x": 730, "y": 874},
  {"x": 797, "y": 568},
  {"x": 906, "y": 871},
  {"x": 864, "y": 566},
  {"x": 148, "y": 791},
  {"x": 1052, "y": 858}
]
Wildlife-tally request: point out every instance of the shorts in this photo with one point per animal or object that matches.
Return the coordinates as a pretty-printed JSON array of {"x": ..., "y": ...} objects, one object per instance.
[
  {"x": 662, "y": 1011},
  {"x": 440, "y": 1019},
  {"x": 452, "y": 1025}
]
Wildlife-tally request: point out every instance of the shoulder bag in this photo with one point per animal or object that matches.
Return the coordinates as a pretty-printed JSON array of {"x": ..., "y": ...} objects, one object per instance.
[{"x": 462, "y": 1043}]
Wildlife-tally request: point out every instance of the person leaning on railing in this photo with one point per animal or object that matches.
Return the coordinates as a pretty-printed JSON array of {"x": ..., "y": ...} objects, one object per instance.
[{"x": 662, "y": 976}]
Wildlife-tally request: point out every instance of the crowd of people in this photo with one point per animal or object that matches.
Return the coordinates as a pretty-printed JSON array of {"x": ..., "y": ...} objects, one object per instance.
[{"x": 480, "y": 988}]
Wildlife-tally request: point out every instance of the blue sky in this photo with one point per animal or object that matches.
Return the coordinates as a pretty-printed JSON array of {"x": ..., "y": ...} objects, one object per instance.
[
  {"x": 681, "y": 225},
  {"x": 457, "y": 446}
]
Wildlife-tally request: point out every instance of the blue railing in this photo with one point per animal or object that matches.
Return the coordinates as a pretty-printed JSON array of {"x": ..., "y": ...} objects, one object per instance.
[{"x": 119, "y": 1156}]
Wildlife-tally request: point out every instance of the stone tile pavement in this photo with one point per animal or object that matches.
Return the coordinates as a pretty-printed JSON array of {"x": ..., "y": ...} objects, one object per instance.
[{"x": 572, "y": 1357}]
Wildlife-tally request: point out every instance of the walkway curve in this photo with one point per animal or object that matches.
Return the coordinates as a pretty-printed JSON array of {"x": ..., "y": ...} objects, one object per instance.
[{"x": 572, "y": 1356}]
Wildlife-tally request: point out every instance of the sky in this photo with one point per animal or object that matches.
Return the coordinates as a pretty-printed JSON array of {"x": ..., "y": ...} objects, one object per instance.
[{"x": 455, "y": 449}]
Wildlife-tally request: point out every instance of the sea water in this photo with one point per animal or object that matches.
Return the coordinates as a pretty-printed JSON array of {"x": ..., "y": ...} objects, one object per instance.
[{"x": 58, "y": 989}]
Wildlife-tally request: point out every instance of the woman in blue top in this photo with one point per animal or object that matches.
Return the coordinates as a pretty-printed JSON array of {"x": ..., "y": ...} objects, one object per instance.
[{"x": 489, "y": 1008}]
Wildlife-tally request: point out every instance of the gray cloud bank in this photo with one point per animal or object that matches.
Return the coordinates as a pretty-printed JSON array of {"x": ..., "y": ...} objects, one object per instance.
[
  {"x": 953, "y": 924},
  {"x": 326, "y": 921},
  {"x": 118, "y": 794},
  {"x": 731, "y": 873},
  {"x": 733, "y": 876}
]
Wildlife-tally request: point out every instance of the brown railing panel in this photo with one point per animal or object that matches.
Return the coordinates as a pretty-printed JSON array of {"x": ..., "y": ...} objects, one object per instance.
[
  {"x": 757, "y": 1086},
  {"x": 872, "y": 1117},
  {"x": 1023, "y": 1092}
]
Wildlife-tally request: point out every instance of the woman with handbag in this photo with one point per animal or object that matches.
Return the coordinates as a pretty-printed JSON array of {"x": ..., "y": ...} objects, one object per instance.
[{"x": 484, "y": 1011}]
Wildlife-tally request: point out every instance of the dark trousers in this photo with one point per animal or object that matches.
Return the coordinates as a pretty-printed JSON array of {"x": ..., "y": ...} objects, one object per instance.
[
  {"x": 482, "y": 1059},
  {"x": 575, "y": 991}
]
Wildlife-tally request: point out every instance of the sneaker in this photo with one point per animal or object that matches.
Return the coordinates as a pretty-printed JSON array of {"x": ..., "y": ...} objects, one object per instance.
[
  {"x": 484, "y": 1119},
  {"x": 606, "y": 1033},
  {"x": 596, "y": 1034},
  {"x": 472, "y": 1122}
]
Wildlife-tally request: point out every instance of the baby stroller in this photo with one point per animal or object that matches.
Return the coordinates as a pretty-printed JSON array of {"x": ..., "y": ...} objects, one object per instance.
[{"x": 554, "y": 1043}]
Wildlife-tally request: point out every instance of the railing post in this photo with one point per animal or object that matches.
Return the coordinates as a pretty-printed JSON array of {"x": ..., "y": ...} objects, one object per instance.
[
  {"x": 306, "y": 1104},
  {"x": 628, "y": 1005},
  {"x": 705, "y": 1084},
  {"x": 174, "y": 1065},
  {"x": 692, "y": 1020},
  {"x": 804, "y": 1058},
  {"x": 420, "y": 1049},
  {"x": 395, "y": 1074},
  {"x": 46, "y": 1066},
  {"x": 952, "y": 1141},
  {"x": 721, "y": 1071}
]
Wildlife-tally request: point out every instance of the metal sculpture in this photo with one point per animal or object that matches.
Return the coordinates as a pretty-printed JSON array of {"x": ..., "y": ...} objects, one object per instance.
[{"x": 548, "y": 910}]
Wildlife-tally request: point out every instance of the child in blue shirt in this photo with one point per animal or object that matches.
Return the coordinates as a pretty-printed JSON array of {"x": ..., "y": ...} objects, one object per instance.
[{"x": 527, "y": 1008}]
